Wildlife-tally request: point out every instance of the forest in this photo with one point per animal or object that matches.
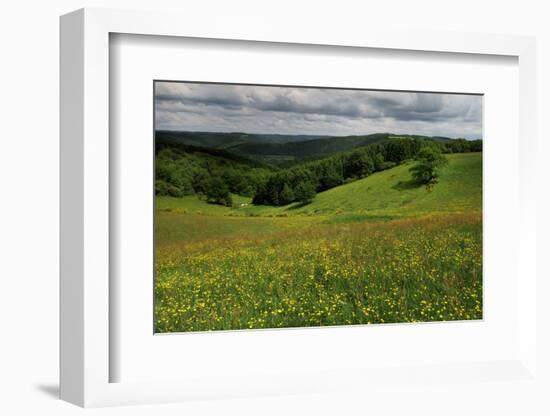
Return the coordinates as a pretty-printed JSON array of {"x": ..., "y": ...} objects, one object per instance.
[{"x": 216, "y": 173}]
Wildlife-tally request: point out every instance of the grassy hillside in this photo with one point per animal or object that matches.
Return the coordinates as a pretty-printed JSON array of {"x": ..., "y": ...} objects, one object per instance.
[
  {"x": 376, "y": 250},
  {"x": 383, "y": 195},
  {"x": 392, "y": 192}
]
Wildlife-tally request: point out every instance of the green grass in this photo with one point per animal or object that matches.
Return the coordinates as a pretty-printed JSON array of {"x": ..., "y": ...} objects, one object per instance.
[
  {"x": 391, "y": 192},
  {"x": 376, "y": 250},
  {"x": 173, "y": 226},
  {"x": 194, "y": 205},
  {"x": 401, "y": 271},
  {"x": 384, "y": 195}
]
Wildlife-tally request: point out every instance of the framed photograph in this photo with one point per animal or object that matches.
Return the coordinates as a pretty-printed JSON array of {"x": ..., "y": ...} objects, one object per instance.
[
  {"x": 281, "y": 207},
  {"x": 278, "y": 213}
]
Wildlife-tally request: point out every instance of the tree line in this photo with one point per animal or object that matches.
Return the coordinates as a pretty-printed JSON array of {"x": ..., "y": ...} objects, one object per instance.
[
  {"x": 210, "y": 173},
  {"x": 215, "y": 174},
  {"x": 302, "y": 182}
]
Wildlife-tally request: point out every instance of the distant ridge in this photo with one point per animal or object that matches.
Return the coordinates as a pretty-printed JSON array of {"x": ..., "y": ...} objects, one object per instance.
[
  {"x": 221, "y": 140},
  {"x": 281, "y": 149}
]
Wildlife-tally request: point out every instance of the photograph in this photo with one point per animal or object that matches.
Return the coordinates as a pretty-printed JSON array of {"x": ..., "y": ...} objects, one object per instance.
[{"x": 295, "y": 206}]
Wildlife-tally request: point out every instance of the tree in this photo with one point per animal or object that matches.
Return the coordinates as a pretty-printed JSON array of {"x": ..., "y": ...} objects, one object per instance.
[
  {"x": 304, "y": 192},
  {"x": 286, "y": 196},
  {"x": 273, "y": 195},
  {"x": 429, "y": 161},
  {"x": 476, "y": 146},
  {"x": 358, "y": 164},
  {"x": 378, "y": 160},
  {"x": 217, "y": 192},
  {"x": 400, "y": 149},
  {"x": 331, "y": 174},
  {"x": 261, "y": 194}
]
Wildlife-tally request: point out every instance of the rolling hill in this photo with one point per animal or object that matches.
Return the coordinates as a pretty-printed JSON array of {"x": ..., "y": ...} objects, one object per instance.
[
  {"x": 226, "y": 140},
  {"x": 292, "y": 152},
  {"x": 383, "y": 195},
  {"x": 277, "y": 149},
  {"x": 391, "y": 193},
  {"x": 373, "y": 251}
]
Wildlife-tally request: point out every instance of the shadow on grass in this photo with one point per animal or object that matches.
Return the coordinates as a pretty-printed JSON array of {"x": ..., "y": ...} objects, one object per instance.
[
  {"x": 297, "y": 206},
  {"x": 406, "y": 185}
]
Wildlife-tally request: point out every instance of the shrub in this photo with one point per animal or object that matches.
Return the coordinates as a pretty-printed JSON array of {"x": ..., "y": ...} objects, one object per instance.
[
  {"x": 174, "y": 191},
  {"x": 161, "y": 187}
]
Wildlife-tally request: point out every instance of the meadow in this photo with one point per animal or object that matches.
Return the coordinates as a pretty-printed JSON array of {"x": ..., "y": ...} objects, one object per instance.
[{"x": 375, "y": 250}]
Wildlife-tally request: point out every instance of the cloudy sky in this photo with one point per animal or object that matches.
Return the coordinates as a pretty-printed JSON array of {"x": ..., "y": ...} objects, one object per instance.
[{"x": 290, "y": 110}]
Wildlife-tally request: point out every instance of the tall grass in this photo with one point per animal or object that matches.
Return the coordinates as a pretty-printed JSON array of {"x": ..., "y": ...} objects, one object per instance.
[{"x": 288, "y": 272}]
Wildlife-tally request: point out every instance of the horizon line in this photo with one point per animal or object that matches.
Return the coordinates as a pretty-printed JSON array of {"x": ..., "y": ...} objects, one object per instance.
[{"x": 317, "y": 135}]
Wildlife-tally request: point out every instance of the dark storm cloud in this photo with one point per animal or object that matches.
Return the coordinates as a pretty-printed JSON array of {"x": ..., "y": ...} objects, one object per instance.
[{"x": 260, "y": 109}]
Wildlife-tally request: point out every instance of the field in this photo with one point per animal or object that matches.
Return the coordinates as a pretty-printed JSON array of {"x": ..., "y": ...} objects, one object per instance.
[{"x": 375, "y": 250}]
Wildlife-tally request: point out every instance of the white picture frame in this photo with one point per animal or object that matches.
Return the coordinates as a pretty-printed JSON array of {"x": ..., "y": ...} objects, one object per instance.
[{"x": 85, "y": 352}]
